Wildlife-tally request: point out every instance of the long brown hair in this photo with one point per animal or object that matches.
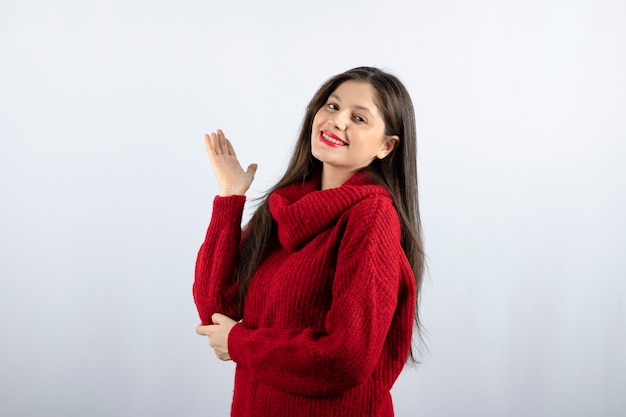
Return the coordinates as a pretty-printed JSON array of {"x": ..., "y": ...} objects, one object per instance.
[{"x": 397, "y": 172}]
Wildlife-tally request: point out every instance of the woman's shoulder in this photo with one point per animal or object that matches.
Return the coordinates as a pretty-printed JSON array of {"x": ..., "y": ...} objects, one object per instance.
[
  {"x": 370, "y": 226},
  {"x": 375, "y": 213},
  {"x": 375, "y": 207},
  {"x": 374, "y": 197}
]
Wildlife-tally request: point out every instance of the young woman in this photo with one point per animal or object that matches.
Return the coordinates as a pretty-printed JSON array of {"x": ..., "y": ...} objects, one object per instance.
[{"x": 316, "y": 299}]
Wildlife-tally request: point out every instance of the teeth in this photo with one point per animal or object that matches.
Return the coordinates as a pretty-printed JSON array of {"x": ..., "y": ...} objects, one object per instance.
[{"x": 333, "y": 140}]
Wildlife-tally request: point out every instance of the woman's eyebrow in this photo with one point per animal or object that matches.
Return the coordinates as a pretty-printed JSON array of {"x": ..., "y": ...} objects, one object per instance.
[{"x": 336, "y": 97}]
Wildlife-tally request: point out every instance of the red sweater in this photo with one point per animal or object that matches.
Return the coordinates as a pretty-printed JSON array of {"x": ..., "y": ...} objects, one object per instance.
[{"x": 328, "y": 316}]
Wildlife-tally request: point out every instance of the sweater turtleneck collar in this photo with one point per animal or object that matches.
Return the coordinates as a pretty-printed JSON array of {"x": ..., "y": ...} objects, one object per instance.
[{"x": 303, "y": 210}]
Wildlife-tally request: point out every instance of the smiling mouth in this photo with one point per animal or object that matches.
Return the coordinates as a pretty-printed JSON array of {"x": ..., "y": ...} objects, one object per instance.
[{"x": 331, "y": 139}]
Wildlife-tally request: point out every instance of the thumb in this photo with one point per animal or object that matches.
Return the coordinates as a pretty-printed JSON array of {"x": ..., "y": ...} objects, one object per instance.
[{"x": 252, "y": 169}]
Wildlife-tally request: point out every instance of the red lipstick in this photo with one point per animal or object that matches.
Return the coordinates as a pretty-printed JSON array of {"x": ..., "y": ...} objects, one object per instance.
[{"x": 331, "y": 139}]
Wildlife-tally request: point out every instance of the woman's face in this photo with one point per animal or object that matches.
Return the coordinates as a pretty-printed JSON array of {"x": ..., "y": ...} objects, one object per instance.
[{"x": 348, "y": 131}]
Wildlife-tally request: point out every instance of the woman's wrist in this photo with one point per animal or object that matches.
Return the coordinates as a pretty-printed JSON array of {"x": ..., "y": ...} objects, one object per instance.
[{"x": 230, "y": 191}]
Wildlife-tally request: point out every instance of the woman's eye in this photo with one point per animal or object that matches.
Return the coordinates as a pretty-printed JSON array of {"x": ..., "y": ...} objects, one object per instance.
[
  {"x": 333, "y": 106},
  {"x": 359, "y": 119}
]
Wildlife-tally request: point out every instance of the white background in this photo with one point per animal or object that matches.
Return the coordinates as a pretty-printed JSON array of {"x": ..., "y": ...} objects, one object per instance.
[{"x": 106, "y": 192}]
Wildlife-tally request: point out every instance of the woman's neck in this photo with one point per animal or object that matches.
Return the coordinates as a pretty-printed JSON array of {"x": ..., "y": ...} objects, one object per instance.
[{"x": 334, "y": 178}]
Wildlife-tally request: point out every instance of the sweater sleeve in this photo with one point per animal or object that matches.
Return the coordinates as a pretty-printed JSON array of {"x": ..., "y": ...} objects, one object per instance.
[
  {"x": 214, "y": 287},
  {"x": 344, "y": 354}
]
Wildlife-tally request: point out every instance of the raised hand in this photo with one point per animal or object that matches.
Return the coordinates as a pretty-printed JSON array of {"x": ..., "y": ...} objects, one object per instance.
[{"x": 231, "y": 177}]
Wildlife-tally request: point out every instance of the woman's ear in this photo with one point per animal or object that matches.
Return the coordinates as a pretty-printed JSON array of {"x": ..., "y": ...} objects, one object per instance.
[{"x": 389, "y": 145}]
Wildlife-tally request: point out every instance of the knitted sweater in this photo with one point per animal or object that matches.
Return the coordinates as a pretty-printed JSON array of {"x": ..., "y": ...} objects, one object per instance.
[{"x": 328, "y": 315}]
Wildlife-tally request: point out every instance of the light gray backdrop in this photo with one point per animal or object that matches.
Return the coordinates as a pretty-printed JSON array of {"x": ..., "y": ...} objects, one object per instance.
[{"x": 106, "y": 192}]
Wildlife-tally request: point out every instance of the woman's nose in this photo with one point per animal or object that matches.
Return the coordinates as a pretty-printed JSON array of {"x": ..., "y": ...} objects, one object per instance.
[{"x": 337, "y": 122}]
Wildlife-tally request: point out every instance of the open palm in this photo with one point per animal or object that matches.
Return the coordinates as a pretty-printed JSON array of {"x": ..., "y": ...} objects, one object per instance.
[{"x": 231, "y": 177}]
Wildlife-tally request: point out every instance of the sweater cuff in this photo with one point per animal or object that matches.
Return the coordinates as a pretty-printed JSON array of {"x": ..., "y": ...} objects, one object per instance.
[
  {"x": 236, "y": 340},
  {"x": 228, "y": 211}
]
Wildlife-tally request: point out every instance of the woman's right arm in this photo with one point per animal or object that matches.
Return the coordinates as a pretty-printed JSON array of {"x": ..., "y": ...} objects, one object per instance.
[{"x": 215, "y": 289}]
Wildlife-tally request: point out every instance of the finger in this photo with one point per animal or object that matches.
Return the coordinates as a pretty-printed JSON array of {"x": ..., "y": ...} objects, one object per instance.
[
  {"x": 205, "y": 330},
  {"x": 217, "y": 318},
  {"x": 222, "y": 142},
  {"x": 209, "y": 145},
  {"x": 213, "y": 146},
  {"x": 230, "y": 148},
  {"x": 200, "y": 329}
]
